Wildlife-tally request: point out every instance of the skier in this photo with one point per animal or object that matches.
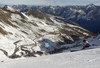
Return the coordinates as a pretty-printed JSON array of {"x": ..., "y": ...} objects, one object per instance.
[
  {"x": 84, "y": 40},
  {"x": 85, "y": 44}
]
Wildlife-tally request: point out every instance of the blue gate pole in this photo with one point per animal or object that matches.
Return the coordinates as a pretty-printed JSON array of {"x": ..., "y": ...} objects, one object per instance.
[{"x": 46, "y": 46}]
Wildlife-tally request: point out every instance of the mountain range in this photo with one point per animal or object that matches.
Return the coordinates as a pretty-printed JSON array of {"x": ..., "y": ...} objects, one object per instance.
[
  {"x": 24, "y": 33},
  {"x": 86, "y": 16}
]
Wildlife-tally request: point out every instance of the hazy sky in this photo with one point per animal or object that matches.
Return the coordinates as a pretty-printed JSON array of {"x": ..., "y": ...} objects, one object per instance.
[{"x": 50, "y": 2}]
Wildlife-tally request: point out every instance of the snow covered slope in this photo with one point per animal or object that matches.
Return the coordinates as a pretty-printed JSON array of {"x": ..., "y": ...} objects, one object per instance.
[
  {"x": 23, "y": 34},
  {"x": 80, "y": 59}
]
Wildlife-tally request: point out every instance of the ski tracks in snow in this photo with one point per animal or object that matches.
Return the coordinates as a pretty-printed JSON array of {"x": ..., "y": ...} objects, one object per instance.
[{"x": 81, "y": 59}]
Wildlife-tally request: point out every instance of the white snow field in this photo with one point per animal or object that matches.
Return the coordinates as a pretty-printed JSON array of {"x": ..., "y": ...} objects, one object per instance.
[{"x": 80, "y": 59}]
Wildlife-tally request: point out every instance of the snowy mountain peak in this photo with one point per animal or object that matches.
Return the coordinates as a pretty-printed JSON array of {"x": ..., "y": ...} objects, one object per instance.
[
  {"x": 90, "y": 6},
  {"x": 6, "y": 7}
]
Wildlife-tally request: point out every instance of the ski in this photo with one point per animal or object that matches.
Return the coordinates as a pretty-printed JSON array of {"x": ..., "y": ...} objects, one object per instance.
[
  {"x": 74, "y": 50},
  {"x": 80, "y": 49}
]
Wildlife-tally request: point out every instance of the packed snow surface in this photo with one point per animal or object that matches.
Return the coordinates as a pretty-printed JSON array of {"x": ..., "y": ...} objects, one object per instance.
[{"x": 80, "y": 59}]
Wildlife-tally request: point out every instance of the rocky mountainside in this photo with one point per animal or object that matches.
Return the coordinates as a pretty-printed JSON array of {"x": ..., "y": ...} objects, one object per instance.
[
  {"x": 86, "y": 16},
  {"x": 24, "y": 34}
]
